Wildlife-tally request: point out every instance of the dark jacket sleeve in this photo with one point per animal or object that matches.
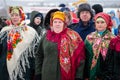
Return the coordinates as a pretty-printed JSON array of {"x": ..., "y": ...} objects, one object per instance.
[
  {"x": 80, "y": 70},
  {"x": 0, "y": 48},
  {"x": 88, "y": 51},
  {"x": 3, "y": 66},
  {"x": 107, "y": 74},
  {"x": 39, "y": 60}
]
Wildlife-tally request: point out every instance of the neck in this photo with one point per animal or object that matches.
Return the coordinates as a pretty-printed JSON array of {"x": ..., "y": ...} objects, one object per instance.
[
  {"x": 85, "y": 23},
  {"x": 101, "y": 32}
]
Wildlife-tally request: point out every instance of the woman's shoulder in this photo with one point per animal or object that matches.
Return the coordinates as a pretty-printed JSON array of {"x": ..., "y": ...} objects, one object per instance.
[
  {"x": 73, "y": 34},
  {"x": 6, "y": 28},
  {"x": 90, "y": 35},
  {"x": 30, "y": 29}
]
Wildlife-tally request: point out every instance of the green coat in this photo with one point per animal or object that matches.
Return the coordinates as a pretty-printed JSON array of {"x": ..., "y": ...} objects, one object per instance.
[
  {"x": 45, "y": 66},
  {"x": 47, "y": 61},
  {"x": 98, "y": 69}
]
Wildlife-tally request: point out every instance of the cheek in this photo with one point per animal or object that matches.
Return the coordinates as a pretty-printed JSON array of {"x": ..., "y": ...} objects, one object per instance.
[
  {"x": 62, "y": 24},
  {"x": 35, "y": 21},
  {"x": 105, "y": 25},
  {"x": 53, "y": 24}
]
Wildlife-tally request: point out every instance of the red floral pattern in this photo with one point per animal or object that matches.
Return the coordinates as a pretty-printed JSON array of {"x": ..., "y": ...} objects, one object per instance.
[
  {"x": 71, "y": 51},
  {"x": 14, "y": 37}
]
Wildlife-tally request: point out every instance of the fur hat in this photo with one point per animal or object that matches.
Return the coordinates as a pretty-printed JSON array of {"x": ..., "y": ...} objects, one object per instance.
[
  {"x": 48, "y": 17},
  {"x": 98, "y": 8},
  {"x": 84, "y": 7},
  {"x": 59, "y": 15}
]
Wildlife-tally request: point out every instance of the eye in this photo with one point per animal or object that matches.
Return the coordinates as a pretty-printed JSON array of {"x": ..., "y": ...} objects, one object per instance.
[
  {"x": 54, "y": 21},
  {"x": 102, "y": 22},
  {"x": 11, "y": 15},
  {"x": 60, "y": 22},
  {"x": 97, "y": 22}
]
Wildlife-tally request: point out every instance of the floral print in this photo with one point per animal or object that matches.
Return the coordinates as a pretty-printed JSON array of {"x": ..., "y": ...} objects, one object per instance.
[
  {"x": 67, "y": 49},
  {"x": 14, "y": 37},
  {"x": 99, "y": 45}
]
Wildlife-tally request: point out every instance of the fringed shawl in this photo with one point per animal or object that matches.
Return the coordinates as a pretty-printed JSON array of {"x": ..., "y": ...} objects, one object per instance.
[{"x": 19, "y": 62}]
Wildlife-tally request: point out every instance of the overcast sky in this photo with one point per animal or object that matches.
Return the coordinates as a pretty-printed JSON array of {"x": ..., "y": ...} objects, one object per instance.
[{"x": 57, "y": 2}]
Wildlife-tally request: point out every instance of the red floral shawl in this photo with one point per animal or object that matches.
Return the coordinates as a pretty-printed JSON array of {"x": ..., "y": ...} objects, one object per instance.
[{"x": 71, "y": 51}]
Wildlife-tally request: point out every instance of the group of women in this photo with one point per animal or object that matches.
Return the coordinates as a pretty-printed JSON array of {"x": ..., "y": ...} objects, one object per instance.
[{"x": 59, "y": 53}]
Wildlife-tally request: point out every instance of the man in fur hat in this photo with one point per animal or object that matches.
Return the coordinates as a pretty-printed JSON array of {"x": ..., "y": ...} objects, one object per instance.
[{"x": 86, "y": 24}]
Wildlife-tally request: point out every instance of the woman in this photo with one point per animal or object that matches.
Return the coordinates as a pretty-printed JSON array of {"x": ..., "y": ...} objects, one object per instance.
[
  {"x": 36, "y": 21},
  {"x": 17, "y": 48},
  {"x": 112, "y": 63},
  {"x": 96, "y": 47},
  {"x": 61, "y": 52}
]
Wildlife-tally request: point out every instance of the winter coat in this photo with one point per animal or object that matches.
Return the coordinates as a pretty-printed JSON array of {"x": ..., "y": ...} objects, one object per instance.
[
  {"x": 96, "y": 49},
  {"x": 48, "y": 63},
  {"x": 83, "y": 30},
  {"x": 39, "y": 28},
  {"x": 112, "y": 62}
]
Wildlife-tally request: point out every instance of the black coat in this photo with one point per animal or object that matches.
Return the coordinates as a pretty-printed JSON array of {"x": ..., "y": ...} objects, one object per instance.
[
  {"x": 112, "y": 65},
  {"x": 3, "y": 53}
]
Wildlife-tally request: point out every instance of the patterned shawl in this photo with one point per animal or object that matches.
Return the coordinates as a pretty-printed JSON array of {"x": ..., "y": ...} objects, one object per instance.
[
  {"x": 21, "y": 45},
  {"x": 99, "y": 44},
  {"x": 71, "y": 52}
]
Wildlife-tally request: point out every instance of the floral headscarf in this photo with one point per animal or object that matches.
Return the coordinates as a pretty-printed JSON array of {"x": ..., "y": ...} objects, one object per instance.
[{"x": 18, "y": 10}]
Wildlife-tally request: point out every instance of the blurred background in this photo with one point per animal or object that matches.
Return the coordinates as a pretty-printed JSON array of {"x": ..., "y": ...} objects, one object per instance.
[{"x": 45, "y": 5}]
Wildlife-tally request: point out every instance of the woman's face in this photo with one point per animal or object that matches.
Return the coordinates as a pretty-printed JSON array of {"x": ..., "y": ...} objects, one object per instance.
[
  {"x": 37, "y": 20},
  {"x": 58, "y": 25},
  {"x": 67, "y": 20},
  {"x": 101, "y": 25},
  {"x": 15, "y": 18}
]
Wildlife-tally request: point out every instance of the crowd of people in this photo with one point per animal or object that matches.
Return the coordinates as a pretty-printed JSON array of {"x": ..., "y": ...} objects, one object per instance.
[{"x": 59, "y": 47}]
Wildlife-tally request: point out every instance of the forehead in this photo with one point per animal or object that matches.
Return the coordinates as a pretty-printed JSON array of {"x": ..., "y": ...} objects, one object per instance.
[
  {"x": 38, "y": 17},
  {"x": 14, "y": 14},
  {"x": 85, "y": 12},
  {"x": 100, "y": 19},
  {"x": 57, "y": 19}
]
